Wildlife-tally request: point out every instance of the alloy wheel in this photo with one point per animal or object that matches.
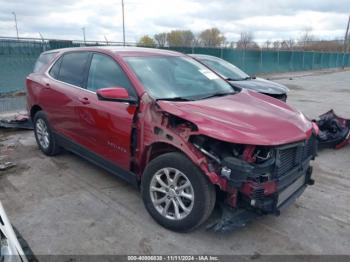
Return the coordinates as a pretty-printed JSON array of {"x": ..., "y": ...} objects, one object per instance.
[
  {"x": 42, "y": 133},
  {"x": 172, "y": 193}
]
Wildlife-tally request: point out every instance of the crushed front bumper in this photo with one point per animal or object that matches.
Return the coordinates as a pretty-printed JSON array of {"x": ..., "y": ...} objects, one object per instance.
[
  {"x": 289, "y": 174},
  {"x": 254, "y": 208},
  {"x": 287, "y": 191}
]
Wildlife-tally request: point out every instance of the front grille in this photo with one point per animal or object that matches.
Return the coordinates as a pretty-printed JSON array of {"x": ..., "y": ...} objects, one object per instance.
[
  {"x": 287, "y": 160},
  {"x": 258, "y": 193},
  {"x": 309, "y": 148},
  {"x": 290, "y": 157}
]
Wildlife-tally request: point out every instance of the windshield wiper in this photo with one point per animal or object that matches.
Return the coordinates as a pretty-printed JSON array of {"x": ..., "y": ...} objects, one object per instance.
[
  {"x": 177, "y": 98},
  {"x": 217, "y": 95},
  {"x": 233, "y": 79},
  {"x": 239, "y": 79}
]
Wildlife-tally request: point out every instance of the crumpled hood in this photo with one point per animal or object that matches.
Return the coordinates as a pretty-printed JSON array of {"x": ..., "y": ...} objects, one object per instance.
[
  {"x": 244, "y": 118},
  {"x": 262, "y": 86}
]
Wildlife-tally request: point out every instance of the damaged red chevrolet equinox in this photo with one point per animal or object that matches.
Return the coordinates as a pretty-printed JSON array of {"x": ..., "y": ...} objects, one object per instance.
[{"x": 169, "y": 125}]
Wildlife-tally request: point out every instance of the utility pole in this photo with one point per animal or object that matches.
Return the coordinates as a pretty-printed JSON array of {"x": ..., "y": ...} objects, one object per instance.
[
  {"x": 42, "y": 41},
  {"x": 83, "y": 29},
  {"x": 123, "y": 23},
  {"x": 14, "y": 15},
  {"x": 346, "y": 42}
]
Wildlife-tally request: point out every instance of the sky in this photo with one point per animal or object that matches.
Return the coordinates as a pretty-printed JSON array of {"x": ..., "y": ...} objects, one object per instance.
[{"x": 267, "y": 19}]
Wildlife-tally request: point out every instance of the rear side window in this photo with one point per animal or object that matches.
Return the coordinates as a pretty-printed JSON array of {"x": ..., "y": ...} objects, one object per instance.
[
  {"x": 72, "y": 68},
  {"x": 55, "y": 70},
  {"x": 43, "y": 60},
  {"x": 105, "y": 72}
]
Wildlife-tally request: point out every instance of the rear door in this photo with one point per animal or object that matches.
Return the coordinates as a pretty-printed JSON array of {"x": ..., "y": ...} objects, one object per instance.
[
  {"x": 64, "y": 84},
  {"x": 106, "y": 126}
]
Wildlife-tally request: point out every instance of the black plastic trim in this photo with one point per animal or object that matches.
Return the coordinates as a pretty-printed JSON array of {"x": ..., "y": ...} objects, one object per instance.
[{"x": 96, "y": 159}]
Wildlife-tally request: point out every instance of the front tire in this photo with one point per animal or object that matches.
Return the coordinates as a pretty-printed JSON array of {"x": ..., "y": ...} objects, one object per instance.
[
  {"x": 176, "y": 193},
  {"x": 44, "y": 135}
]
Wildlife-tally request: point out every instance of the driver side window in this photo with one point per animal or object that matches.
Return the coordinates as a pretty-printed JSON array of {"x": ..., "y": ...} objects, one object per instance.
[{"x": 105, "y": 72}]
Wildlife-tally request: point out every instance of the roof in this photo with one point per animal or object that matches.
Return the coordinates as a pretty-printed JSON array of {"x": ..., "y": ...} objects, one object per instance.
[
  {"x": 124, "y": 50},
  {"x": 204, "y": 56}
]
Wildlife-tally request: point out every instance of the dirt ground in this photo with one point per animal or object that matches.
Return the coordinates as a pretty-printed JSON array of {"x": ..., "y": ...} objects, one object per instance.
[{"x": 65, "y": 205}]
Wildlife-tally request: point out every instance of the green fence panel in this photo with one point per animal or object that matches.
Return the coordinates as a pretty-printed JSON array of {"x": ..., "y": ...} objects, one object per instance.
[
  {"x": 17, "y": 59},
  {"x": 185, "y": 50},
  {"x": 325, "y": 60},
  {"x": 333, "y": 60},
  {"x": 284, "y": 61},
  {"x": 316, "y": 60},
  {"x": 270, "y": 61},
  {"x": 218, "y": 52},
  {"x": 297, "y": 60},
  {"x": 234, "y": 56},
  {"x": 251, "y": 61},
  {"x": 13, "y": 70}
]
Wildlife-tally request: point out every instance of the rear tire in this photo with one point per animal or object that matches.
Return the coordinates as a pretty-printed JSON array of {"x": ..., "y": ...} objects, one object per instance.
[
  {"x": 172, "y": 180},
  {"x": 44, "y": 135}
]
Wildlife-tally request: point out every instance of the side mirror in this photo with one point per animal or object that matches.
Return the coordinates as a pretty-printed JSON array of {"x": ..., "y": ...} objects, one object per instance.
[{"x": 116, "y": 94}]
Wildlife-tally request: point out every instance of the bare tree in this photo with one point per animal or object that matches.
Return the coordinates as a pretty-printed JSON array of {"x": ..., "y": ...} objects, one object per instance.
[
  {"x": 288, "y": 44},
  {"x": 232, "y": 44},
  {"x": 246, "y": 41},
  {"x": 306, "y": 37},
  {"x": 161, "y": 39},
  {"x": 267, "y": 44},
  {"x": 276, "y": 45}
]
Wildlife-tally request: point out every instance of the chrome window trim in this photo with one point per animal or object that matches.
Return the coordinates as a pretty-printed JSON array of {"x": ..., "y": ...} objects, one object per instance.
[
  {"x": 47, "y": 73},
  {"x": 78, "y": 87}
]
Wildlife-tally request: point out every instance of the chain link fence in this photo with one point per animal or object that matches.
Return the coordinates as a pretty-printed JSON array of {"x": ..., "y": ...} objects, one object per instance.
[{"x": 17, "y": 58}]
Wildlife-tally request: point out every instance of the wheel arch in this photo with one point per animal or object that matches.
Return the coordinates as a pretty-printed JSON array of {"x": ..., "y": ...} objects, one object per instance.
[
  {"x": 159, "y": 148},
  {"x": 34, "y": 110},
  {"x": 155, "y": 150}
]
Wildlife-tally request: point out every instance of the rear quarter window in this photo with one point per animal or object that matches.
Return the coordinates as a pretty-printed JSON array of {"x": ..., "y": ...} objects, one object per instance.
[
  {"x": 43, "y": 60},
  {"x": 55, "y": 69}
]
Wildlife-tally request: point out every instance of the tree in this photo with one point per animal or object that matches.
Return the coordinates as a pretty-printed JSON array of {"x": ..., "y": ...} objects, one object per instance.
[
  {"x": 188, "y": 37},
  {"x": 180, "y": 38},
  {"x": 146, "y": 41},
  {"x": 306, "y": 38},
  {"x": 211, "y": 37},
  {"x": 276, "y": 44},
  {"x": 246, "y": 41},
  {"x": 267, "y": 44},
  {"x": 161, "y": 39},
  {"x": 287, "y": 44}
]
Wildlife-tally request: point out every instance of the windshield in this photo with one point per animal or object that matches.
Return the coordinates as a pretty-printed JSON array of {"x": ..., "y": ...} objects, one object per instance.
[
  {"x": 177, "y": 78},
  {"x": 224, "y": 68}
]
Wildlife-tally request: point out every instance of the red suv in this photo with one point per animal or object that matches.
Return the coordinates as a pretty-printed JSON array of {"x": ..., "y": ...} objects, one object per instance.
[{"x": 166, "y": 123}]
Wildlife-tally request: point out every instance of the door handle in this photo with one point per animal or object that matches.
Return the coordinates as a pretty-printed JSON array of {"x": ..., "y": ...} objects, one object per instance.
[
  {"x": 47, "y": 85},
  {"x": 84, "y": 100}
]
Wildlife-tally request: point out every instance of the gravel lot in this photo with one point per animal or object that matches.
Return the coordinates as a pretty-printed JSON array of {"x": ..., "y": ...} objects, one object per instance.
[{"x": 65, "y": 205}]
